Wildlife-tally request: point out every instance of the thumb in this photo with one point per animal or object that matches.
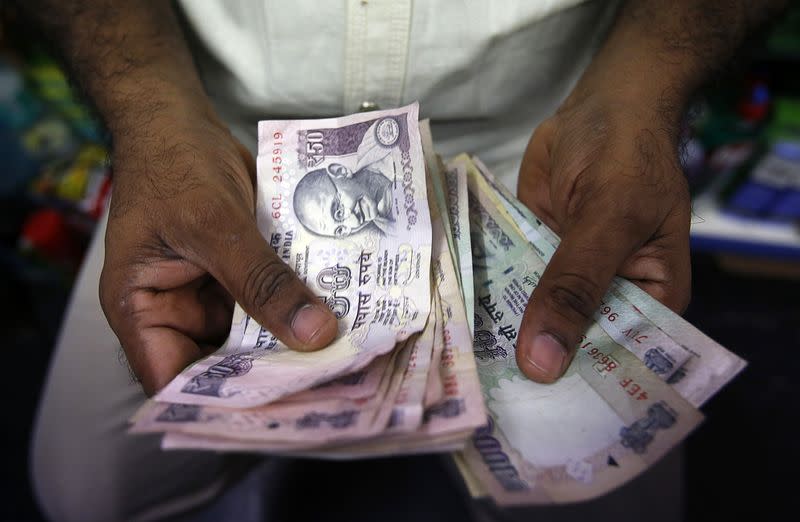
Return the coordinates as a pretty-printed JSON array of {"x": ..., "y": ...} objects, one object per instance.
[
  {"x": 268, "y": 290},
  {"x": 570, "y": 290}
]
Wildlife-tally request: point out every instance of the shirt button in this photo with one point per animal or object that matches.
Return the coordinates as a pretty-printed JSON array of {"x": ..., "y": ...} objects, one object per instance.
[{"x": 368, "y": 106}]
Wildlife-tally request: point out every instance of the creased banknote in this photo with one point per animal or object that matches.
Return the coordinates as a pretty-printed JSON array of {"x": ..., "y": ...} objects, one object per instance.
[
  {"x": 372, "y": 448},
  {"x": 606, "y": 420},
  {"x": 462, "y": 403},
  {"x": 407, "y": 410},
  {"x": 448, "y": 422},
  {"x": 434, "y": 387},
  {"x": 695, "y": 365},
  {"x": 283, "y": 424},
  {"x": 436, "y": 184},
  {"x": 344, "y": 203},
  {"x": 396, "y": 419},
  {"x": 457, "y": 208},
  {"x": 357, "y": 385},
  {"x": 460, "y": 409}
]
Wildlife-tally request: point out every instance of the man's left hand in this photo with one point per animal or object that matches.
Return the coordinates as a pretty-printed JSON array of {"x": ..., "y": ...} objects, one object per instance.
[{"x": 605, "y": 177}]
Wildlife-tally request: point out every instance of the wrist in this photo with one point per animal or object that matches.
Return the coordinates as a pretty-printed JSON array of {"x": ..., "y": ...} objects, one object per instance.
[
  {"x": 633, "y": 94},
  {"x": 156, "y": 110},
  {"x": 138, "y": 100},
  {"x": 132, "y": 62},
  {"x": 649, "y": 75}
]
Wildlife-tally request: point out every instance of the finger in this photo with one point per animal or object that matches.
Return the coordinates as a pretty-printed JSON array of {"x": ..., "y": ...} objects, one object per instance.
[
  {"x": 158, "y": 354},
  {"x": 198, "y": 310},
  {"x": 267, "y": 289},
  {"x": 535, "y": 174},
  {"x": 570, "y": 291},
  {"x": 663, "y": 268}
]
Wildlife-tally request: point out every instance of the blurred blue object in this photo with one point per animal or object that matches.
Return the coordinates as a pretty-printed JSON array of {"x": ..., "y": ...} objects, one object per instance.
[
  {"x": 788, "y": 207},
  {"x": 18, "y": 167},
  {"x": 772, "y": 190},
  {"x": 753, "y": 198},
  {"x": 18, "y": 108}
]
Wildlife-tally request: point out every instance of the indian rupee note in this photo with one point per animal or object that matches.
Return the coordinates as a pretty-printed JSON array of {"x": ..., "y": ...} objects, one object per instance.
[
  {"x": 436, "y": 186},
  {"x": 365, "y": 449},
  {"x": 434, "y": 387},
  {"x": 357, "y": 385},
  {"x": 288, "y": 424},
  {"x": 406, "y": 415},
  {"x": 460, "y": 410},
  {"x": 343, "y": 202},
  {"x": 455, "y": 175},
  {"x": 462, "y": 403},
  {"x": 695, "y": 365},
  {"x": 659, "y": 352},
  {"x": 604, "y": 422},
  {"x": 709, "y": 368}
]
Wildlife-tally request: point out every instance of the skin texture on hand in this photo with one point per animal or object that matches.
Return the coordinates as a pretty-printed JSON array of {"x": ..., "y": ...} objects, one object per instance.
[
  {"x": 182, "y": 243},
  {"x": 603, "y": 172},
  {"x": 613, "y": 190}
]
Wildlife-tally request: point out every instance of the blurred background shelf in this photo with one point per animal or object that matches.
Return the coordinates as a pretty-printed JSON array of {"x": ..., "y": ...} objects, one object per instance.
[{"x": 715, "y": 231}]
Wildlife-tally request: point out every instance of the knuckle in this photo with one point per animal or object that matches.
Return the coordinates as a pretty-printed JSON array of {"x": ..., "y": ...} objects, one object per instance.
[
  {"x": 203, "y": 222},
  {"x": 111, "y": 301},
  {"x": 267, "y": 281},
  {"x": 573, "y": 296},
  {"x": 204, "y": 217},
  {"x": 636, "y": 221},
  {"x": 126, "y": 308}
]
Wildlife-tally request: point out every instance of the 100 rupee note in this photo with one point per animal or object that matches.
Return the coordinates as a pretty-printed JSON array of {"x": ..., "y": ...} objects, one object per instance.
[{"x": 455, "y": 176}]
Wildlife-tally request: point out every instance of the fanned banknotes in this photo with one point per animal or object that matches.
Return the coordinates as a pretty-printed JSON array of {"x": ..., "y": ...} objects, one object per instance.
[
  {"x": 429, "y": 266},
  {"x": 606, "y": 420},
  {"x": 344, "y": 203},
  {"x": 656, "y": 334}
]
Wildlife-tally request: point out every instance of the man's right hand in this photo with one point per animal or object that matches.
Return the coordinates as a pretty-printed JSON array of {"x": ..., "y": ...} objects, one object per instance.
[{"x": 182, "y": 244}]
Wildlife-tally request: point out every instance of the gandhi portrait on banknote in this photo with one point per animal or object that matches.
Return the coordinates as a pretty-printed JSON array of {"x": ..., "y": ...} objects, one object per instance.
[{"x": 337, "y": 202}]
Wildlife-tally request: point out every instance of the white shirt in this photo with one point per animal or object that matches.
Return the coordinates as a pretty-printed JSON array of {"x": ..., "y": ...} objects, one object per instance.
[{"x": 485, "y": 72}]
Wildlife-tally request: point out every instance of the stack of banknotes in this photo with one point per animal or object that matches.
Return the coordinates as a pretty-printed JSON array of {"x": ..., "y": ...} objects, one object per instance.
[{"x": 428, "y": 266}]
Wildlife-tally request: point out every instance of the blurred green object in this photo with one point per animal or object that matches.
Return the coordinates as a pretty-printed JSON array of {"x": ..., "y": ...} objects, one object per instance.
[
  {"x": 784, "y": 39},
  {"x": 49, "y": 83},
  {"x": 785, "y": 122}
]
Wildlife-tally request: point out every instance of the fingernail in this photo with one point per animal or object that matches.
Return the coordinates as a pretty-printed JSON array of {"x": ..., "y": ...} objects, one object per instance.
[
  {"x": 547, "y": 354},
  {"x": 308, "y": 322}
]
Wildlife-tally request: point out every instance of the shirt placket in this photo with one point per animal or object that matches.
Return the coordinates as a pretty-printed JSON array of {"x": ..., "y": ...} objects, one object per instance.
[{"x": 376, "y": 51}]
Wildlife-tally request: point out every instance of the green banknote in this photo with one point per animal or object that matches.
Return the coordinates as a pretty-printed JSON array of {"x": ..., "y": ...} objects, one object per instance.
[{"x": 605, "y": 421}]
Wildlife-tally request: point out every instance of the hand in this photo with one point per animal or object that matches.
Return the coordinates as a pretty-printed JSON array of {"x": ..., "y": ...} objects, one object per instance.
[
  {"x": 182, "y": 239},
  {"x": 603, "y": 173}
]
